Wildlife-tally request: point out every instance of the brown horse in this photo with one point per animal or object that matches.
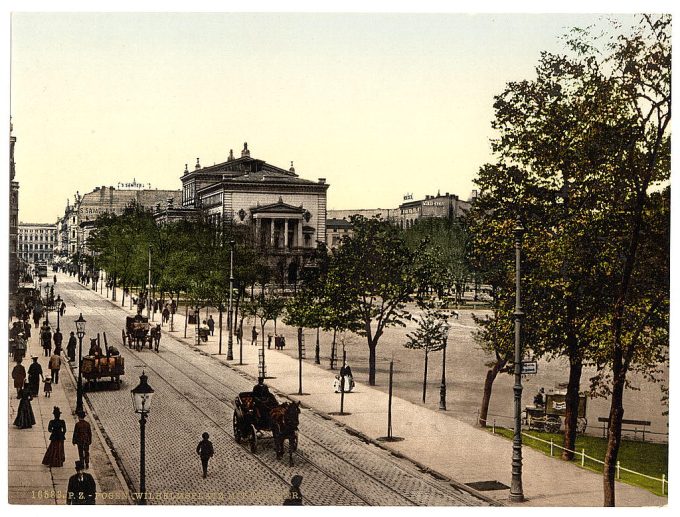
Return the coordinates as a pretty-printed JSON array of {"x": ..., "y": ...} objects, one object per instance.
[{"x": 284, "y": 419}]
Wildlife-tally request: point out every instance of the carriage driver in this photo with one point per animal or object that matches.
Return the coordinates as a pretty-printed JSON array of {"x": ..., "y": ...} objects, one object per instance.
[{"x": 264, "y": 400}]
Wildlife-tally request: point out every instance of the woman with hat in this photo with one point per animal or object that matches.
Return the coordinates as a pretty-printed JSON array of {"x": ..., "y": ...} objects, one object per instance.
[
  {"x": 25, "y": 418},
  {"x": 54, "y": 457}
]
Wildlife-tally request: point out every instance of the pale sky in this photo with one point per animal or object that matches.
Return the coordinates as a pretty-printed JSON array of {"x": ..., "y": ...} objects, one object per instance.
[{"x": 378, "y": 104}]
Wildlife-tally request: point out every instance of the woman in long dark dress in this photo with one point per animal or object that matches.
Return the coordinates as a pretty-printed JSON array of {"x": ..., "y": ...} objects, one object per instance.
[
  {"x": 54, "y": 457},
  {"x": 25, "y": 418}
]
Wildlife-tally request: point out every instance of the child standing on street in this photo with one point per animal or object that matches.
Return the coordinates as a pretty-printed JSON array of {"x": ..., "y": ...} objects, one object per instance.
[
  {"x": 205, "y": 450},
  {"x": 48, "y": 386}
]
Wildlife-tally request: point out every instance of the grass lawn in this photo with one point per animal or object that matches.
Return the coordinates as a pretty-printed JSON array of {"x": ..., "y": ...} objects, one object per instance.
[{"x": 643, "y": 457}]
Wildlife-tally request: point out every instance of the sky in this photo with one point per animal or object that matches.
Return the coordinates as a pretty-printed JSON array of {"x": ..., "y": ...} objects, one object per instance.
[{"x": 379, "y": 104}]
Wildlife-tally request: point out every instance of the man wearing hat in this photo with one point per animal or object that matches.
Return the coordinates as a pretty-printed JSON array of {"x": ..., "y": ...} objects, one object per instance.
[
  {"x": 205, "y": 451},
  {"x": 82, "y": 438},
  {"x": 294, "y": 494},
  {"x": 19, "y": 376},
  {"x": 71, "y": 348},
  {"x": 81, "y": 487},
  {"x": 46, "y": 339},
  {"x": 55, "y": 365},
  {"x": 35, "y": 374}
]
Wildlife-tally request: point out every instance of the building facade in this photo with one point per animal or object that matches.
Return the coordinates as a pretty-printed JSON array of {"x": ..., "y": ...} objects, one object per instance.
[
  {"x": 447, "y": 206},
  {"x": 13, "y": 218},
  {"x": 285, "y": 214},
  {"x": 36, "y": 242}
]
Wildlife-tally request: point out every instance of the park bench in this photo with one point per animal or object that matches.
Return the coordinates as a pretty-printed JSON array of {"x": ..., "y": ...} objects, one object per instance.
[{"x": 643, "y": 423}]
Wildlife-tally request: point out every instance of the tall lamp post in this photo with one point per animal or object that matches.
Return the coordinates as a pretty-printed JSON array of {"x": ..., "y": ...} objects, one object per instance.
[
  {"x": 230, "y": 324},
  {"x": 80, "y": 330},
  {"x": 58, "y": 306},
  {"x": 141, "y": 400},
  {"x": 148, "y": 289},
  {"x": 442, "y": 388},
  {"x": 516, "y": 492},
  {"x": 47, "y": 304}
]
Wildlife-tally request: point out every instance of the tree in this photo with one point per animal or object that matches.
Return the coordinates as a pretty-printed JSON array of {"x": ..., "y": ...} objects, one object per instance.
[
  {"x": 429, "y": 336},
  {"x": 372, "y": 274}
]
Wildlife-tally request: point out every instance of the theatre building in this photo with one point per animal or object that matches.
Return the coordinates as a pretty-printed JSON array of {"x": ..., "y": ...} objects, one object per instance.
[{"x": 285, "y": 214}]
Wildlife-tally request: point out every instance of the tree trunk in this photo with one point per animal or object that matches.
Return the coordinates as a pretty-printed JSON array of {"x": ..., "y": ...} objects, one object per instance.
[
  {"x": 335, "y": 331},
  {"x": 614, "y": 440},
  {"x": 219, "y": 319},
  {"x": 371, "y": 362},
  {"x": 571, "y": 403},
  {"x": 425, "y": 377},
  {"x": 491, "y": 375}
]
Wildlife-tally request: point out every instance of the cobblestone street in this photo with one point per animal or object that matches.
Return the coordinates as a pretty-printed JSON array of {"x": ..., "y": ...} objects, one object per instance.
[{"x": 195, "y": 393}]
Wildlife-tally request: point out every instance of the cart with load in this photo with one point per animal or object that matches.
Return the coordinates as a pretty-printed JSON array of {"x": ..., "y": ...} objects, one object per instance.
[
  {"x": 98, "y": 368},
  {"x": 136, "y": 331},
  {"x": 548, "y": 417}
]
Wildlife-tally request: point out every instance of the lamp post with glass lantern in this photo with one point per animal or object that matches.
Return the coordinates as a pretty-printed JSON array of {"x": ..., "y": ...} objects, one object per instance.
[
  {"x": 58, "y": 307},
  {"x": 80, "y": 330},
  {"x": 141, "y": 401}
]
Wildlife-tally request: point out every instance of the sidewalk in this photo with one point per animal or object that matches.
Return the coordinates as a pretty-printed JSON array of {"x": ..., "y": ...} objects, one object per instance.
[
  {"x": 432, "y": 439},
  {"x": 31, "y": 482}
]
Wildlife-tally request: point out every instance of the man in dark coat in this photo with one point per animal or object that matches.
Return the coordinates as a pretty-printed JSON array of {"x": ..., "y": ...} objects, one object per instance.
[
  {"x": 205, "y": 450},
  {"x": 46, "y": 339},
  {"x": 35, "y": 375},
  {"x": 211, "y": 325},
  {"x": 82, "y": 438},
  {"x": 71, "y": 347},
  {"x": 19, "y": 377},
  {"x": 58, "y": 339},
  {"x": 81, "y": 487}
]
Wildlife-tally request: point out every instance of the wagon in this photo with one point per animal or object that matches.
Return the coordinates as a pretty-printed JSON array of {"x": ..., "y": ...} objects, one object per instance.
[
  {"x": 98, "y": 368},
  {"x": 136, "y": 331},
  {"x": 281, "y": 421},
  {"x": 549, "y": 417}
]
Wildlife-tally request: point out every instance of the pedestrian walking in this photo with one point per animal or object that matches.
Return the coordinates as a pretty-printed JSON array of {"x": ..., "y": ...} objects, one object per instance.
[
  {"x": 54, "y": 456},
  {"x": 269, "y": 340},
  {"x": 157, "y": 338},
  {"x": 47, "y": 383},
  {"x": 82, "y": 438},
  {"x": 62, "y": 308},
  {"x": 205, "y": 450},
  {"x": 294, "y": 494},
  {"x": 55, "y": 365},
  {"x": 27, "y": 328},
  {"x": 35, "y": 375},
  {"x": 254, "y": 335},
  {"x": 19, "y": 377},
  {"x": 165, "y": 314},
  {"x": 58, "y": 339},
  {"x": 46, "y": 339},
  {"x": 81, "y": 487},
  {"x": 37, "y": 314},
  {"x": 25, "y": 418},
  {"x": 211, "y": 325},
  {"x": 239, "y": 334},
  {"x": 71, "y": 348}
]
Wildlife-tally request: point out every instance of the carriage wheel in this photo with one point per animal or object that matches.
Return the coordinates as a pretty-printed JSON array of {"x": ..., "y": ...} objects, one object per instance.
[
  {"x": 253, "y": 439},
  {"x": 237, "y": 429},
  {"x": 553, "y": 424}
]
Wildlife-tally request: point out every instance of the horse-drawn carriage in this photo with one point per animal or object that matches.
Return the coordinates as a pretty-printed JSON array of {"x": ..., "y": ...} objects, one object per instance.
[
  {"x": 136, "y": 331},
  {"x": 252, "y": 418},
  {"x": 548, "y": 417},
  {"x": 96, "y": 368}
]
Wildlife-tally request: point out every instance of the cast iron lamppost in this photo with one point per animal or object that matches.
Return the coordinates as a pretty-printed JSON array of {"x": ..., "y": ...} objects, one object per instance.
[
  {"x": 516, "y": 492},
  {"x": 442, "y": 388},
  {"x": 141, "y": 401},
  {"x": 80, "y": 330},
  {"x": 230, "y": 324},
  {"x": 58, "y": 306}
]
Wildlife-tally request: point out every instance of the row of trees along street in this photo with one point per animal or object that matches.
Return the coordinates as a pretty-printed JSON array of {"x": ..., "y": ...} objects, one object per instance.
[{"x": 582, "y": 160}]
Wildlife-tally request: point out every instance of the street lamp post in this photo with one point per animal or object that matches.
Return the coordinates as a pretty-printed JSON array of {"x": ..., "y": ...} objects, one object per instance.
[
  {"x": 442, "y": 388},
  {"x": 80, "y": 330},
  {"x": 47, "y": 304},
  {"x": 58, "y": 302},
  {"x": 141, "y": 400},
  {"x": 230, "y": 340},
  {"x": 148, "y": 289},
  {"x": 516, "y": 492}
]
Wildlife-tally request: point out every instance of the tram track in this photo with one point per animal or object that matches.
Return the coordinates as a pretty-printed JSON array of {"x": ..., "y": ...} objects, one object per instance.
[{"x": 277, "y": 468}]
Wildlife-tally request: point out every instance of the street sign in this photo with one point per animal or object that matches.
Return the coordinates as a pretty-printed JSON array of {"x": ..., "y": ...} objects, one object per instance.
[{"x": 529, "y": 367}]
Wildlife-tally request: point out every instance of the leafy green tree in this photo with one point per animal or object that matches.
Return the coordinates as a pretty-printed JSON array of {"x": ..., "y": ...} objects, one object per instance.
[
  {"x": 372, "y": 274},
  {"x": 429, "y": 336}
]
